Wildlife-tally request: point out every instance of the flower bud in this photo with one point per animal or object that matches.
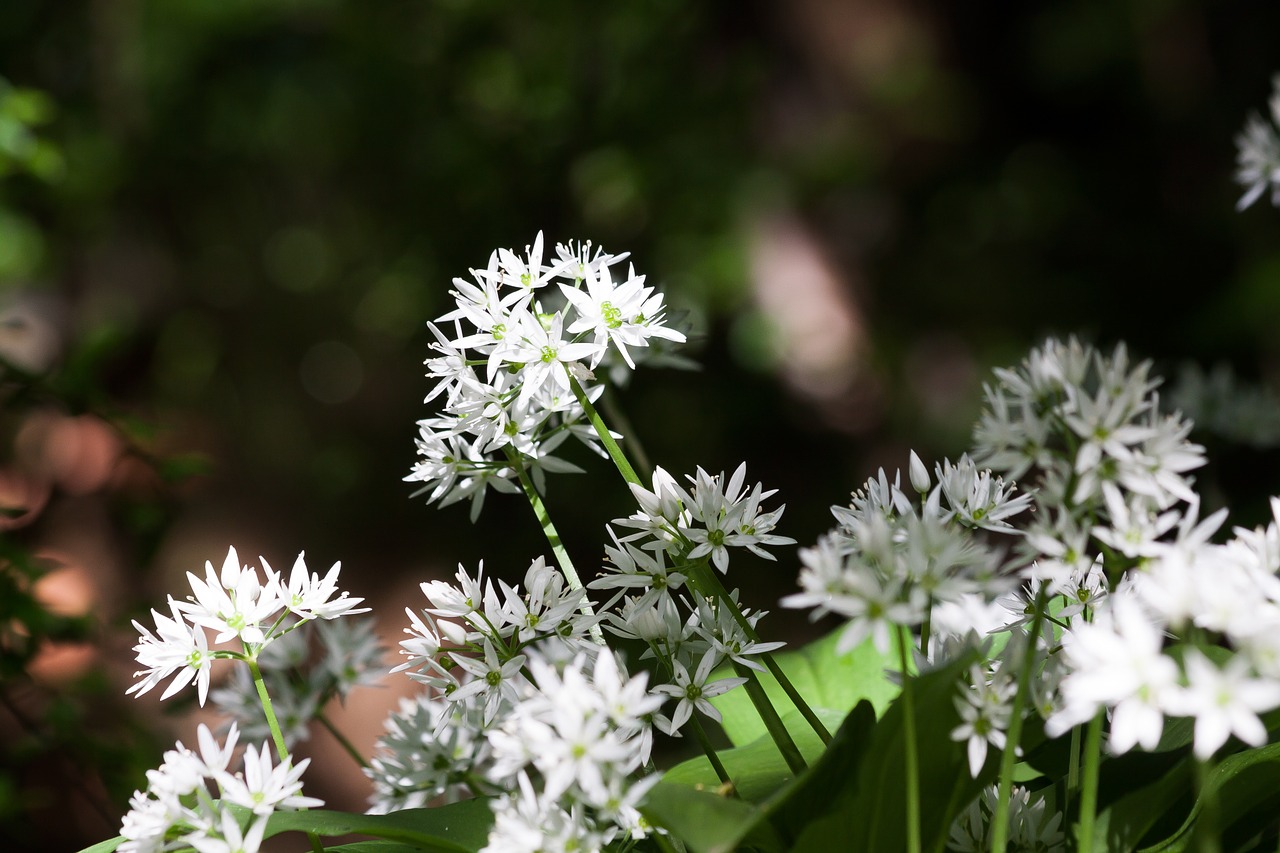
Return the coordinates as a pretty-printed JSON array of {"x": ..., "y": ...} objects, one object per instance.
[{"x": 919, "y": 474}]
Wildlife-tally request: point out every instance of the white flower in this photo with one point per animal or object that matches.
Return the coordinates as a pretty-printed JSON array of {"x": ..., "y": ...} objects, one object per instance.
[
  {"x": 1224, "y": 702},
  {"x": 626, "y": 315},
  {"x": 233, "y": 602},
  {"x": 490, "y": 677},
  {"x": 976, "y": 497},
  {"x": 545, "y": 357},
  {"x": 310, "y": 596},
  {"x": 263, "y": 788},
  {"x": 984, "y": 714},
  {"x": 1116, "y": 662},
  {"x": 693, "y": 691},
  {"x": 175, "y": 647}
]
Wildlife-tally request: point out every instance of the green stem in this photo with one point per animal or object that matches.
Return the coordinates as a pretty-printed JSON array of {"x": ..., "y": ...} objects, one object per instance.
[
  {"x": 1008, "y": 757},
  {"x": 909, "y": 736},
  {"x": 1089, "y": 783},
  {"x": 705, "y": 742},
  {"x": 281, "y": 750},
  {"x": 772, "y": 722},
  {"x": 926, "y": 628},
  {"x": 1073, "y": 766},
  {"x": 342, "y": 739},
  {"x": 1207, "y": 832},
  {"x": 610, "y": 445},
  {"x": 553, "y": 539},
  {"x": 708, "y": 578}
]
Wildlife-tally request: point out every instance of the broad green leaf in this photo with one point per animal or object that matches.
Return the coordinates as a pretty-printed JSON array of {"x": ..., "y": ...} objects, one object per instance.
[
  {"x": 871, "y": 813},
  {"x": 708, "y": 822},
  {"x": 829, "y": 781},
  {"x": 454, "y": 828},
  {"x": 825, "y": 679},
  {"x": 1244, "y": 788},
  {"x": 1125, "y": 822},
  {"x": 757, "y": 769}
]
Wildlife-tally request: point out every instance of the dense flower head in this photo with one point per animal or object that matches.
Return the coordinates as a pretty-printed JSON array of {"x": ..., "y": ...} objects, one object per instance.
[
  {"x": 179, "y": 808},
  {"x": 234, "y": 603},
  {"x": 512, "y": 357},
  {"x": 893, "y": 556}
]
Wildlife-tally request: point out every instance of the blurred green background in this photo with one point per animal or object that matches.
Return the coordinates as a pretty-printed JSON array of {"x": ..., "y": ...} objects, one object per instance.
[{"x": 224, "y": 224}]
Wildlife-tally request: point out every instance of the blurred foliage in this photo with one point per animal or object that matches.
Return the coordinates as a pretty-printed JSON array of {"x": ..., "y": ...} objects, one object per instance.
[{"x": 247, "y": 210}]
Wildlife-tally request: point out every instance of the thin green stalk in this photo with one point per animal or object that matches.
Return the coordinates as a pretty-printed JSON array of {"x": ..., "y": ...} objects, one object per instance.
[
  {"x": 343, "y": 740},
  {"x": 553, "y": 539},
  {"x": 711, "y": 580},
  {"x": 772, "y": 722},
  {"x": 281, "y": 750},
  {"x": 705, "y": 742},
  {"x": 926, "y": 628},
  {"x": 1000, "y": 821},
  {"x": 715, "y": 587},
  {"x": 1089, "y": 783},
  {"x": 909, "y": 736},
  {"x": 610, "y": 445},
  {"x": 1073, "y": 765},
  {"x": 1207, "y": 831}
]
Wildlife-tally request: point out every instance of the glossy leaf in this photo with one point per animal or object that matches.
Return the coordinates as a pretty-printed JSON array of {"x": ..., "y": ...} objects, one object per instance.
[
  {"x": 709, "y": 822},
  {"x": 870, "y": 813},
  {"x": 826, "y": 680}
]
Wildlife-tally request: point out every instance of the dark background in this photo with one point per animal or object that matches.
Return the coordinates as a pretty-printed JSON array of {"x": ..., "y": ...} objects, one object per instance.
[{"x": 860, "y": 207}]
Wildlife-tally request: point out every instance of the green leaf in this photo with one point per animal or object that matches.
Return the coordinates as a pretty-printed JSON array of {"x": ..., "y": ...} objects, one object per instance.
[
  {"x": 825, "y": 679},
  {"x": 1123, "y": 824},
  {"x": 708, "y": 822},
  {"x": 757, "y": 769},
  {"x": 870, "y": 811},
  {"x": 453, "y": 828},
  {"x": 1245, "y": 788},
  {"x": 833, "y": 778}
]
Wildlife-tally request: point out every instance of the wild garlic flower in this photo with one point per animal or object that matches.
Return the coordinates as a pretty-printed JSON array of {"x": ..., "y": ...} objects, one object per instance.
[
  {"x": 893, "y": 557},
  {"x": 694, "y": 691},
  {"x": 1068, "y": 395},
  {"x": 233, "y": 603},
  {"x": 984, "y": 708},
  {"x": 717, "y": 514},
  {"x": 433, "y": 749},
  {"x": 179, "y": 807},
  {"x": 507, "y": 357},
  {"x": 1258, "y": 160}
]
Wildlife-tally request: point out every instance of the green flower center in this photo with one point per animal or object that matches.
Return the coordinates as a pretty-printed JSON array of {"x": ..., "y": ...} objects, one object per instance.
[
  {"x": 612, "y": 316},
  {"x": 548, "y": 355}
]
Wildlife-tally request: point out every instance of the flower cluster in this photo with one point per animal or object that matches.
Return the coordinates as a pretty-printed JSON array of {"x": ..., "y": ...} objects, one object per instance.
[
  {"x": 234, "y": 603},
  {"x": 894, "y": 559},
  {"x": 526, "y": 705},
  {"x": 676, "y": 534},
  {"x": 1258, "y": 160},
  {"x": 520, "y": 355},
  {"x": 178, "y": 810},
  {"x": 471, "y": 646},
  {"x": 580, "y": 731}
]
